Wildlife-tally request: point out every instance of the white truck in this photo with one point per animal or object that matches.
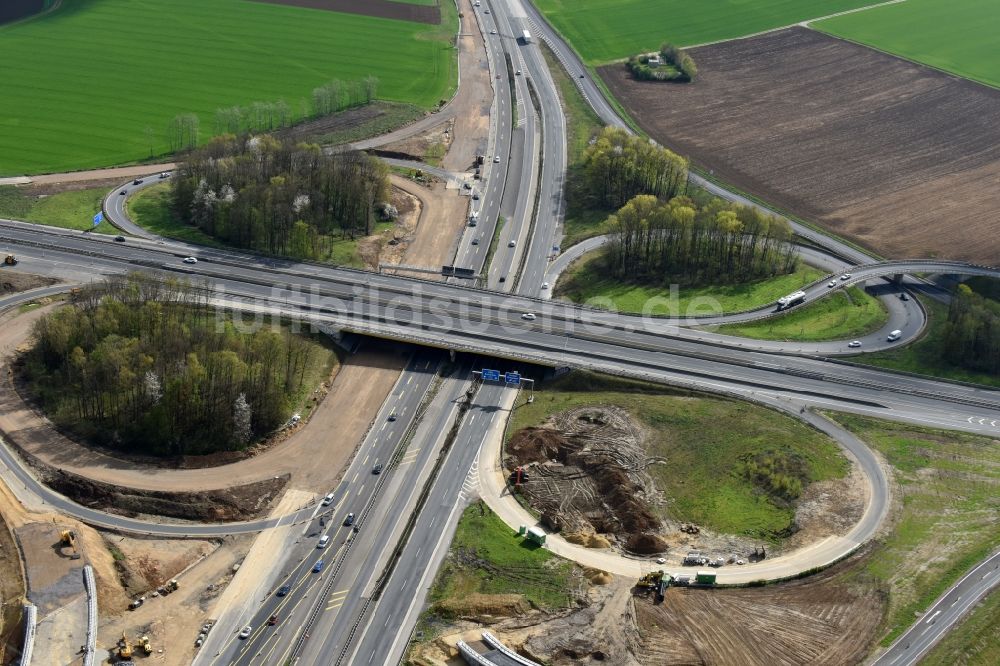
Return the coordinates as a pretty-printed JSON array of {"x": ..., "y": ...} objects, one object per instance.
[{"x": 526, "y": 36}]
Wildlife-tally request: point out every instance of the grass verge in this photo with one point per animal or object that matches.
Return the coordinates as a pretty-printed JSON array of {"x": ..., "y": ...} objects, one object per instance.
[
  {"x": 845, "y": 314},
  {"x": 74, "y": 209},
  {"x": 948, "y": 486},
  {"x": 923, "y": 357},
  {"x": 586, "y": 281},
  {"x": 708, "y": 443},
  {"x": 488, "y": 558}
]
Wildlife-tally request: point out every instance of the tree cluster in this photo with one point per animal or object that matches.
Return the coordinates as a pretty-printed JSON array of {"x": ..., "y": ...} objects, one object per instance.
[
  {"x": 338, "y": 95},
  {"x": 272, "y": 196},
  {"x": 182, "y": 132},
  {"x": 972, "y": 333},
  {"x": 682, "y": 240},
  {"x": 677, "y": 65},
  {"x": 143, "y": 366},
  {"x": 255, "y": 117},
  {"x": 618, "y": 166}
]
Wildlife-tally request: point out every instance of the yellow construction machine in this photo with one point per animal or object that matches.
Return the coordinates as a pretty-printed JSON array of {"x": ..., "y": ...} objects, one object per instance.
[
  {"x": 147, "y": 649},
  {"x": 68, "y": 538},
  {"x": 124, "y": 648},
  {"x": 10, "y": 260}
]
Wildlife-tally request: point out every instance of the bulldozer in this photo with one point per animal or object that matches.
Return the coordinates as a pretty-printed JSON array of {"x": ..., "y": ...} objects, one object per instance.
[
  {"x": 124, "y": 649},
  {"x": 147, "y": 649},
  {"x": 68, "y": 538},
  {"x": 10, "y": 260}
]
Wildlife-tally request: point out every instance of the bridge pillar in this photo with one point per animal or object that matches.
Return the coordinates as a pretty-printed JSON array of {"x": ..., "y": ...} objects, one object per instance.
[{"x": 897, "y": 278}]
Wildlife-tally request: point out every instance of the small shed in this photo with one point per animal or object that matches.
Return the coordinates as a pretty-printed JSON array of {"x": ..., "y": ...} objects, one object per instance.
[{"x": 537, "y": 535}]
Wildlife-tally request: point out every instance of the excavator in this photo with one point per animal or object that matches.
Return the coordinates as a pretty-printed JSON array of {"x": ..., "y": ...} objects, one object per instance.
[
  {"x": 124, "y": 649},
  {"x": 68, "y": 538},
  {"x": 10, "y": 260},
  {"x": 147, "y": 649}
]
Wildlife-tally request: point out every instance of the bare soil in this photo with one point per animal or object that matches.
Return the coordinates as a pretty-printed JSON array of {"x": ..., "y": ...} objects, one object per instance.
[
  {"x": 442, "y": 220},
  {"x": 12, "y": 590},
  {"x": 378, "y": 8},
  {"x": 896, "y": 156},
  {"x": 335, "y": 123},
  {"x": 12, "y": 282},
  {"x": 432, "y": 143}
]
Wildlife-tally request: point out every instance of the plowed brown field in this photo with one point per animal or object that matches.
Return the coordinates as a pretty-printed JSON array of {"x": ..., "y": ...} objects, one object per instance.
[{"x": 901, "y": 158}]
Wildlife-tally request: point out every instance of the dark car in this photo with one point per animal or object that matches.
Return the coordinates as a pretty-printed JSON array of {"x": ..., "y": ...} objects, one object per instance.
[
  {"x": 137, "y": 181},
  {"x": 349, "y": 520},
  {"x": 377, "y": 469},
  {"x": 273, "y": 620},
  {"x": 392, "y": 417},
  {"x": 284, "y": 589},
  {"x": 318, "y": 566},
  {"x": 904, "y": 297},
  {"x": 120, "y": 239},
  {"x": 123, "y": 192}
]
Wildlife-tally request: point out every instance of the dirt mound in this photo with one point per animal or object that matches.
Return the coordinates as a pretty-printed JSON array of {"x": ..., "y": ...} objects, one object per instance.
[
  {"x": 645, "y": 544},
  {"x": 12, "y": 282},
  {"x": 226, "y": 504},
  {"x": 597, "y": 577},
  {"x": 587, "y": 475},
  {"x": 587, "y": 539},
  {"x": 478, "y": 605}
]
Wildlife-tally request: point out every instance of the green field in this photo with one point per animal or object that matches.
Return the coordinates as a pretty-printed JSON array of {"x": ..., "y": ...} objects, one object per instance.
[
  {"x": 945, "y": 508},
  {"x": 96, "y": 82},
  {"x": 585, "y": 281},
  {"x": 838, "y": 316},
  {"x": 606, "y": 30},
  {"x": 959, "y": 36},
  {"x": 708, "y": 442},
  {"x": 70, "y": 210}
]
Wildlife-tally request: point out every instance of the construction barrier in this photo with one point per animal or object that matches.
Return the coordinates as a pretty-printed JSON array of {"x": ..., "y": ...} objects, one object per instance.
[
  {"x": 30, "y": 621},
  {"x": 91, "y": 646}
]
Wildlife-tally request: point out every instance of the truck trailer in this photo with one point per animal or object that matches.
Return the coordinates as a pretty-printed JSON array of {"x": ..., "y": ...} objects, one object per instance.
[{"x": 526, "y": 36}]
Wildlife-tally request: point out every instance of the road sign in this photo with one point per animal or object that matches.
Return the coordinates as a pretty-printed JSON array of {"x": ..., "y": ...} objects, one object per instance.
[
  {"x": 98, "y": 218},
  {"x": 491, "y": 375},
  {"x": 512, "y": 378}
]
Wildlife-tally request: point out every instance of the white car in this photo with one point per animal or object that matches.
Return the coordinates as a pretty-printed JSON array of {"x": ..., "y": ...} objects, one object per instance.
[
  {"x": 545, "y": 285},
  {"x": 493, "y": 32},
  {"x": 518, "y": 72},
  {"x": 854, "y": 343},
  {"x": 845, "y": 276},
  {"x": 496, "y": 159},
  {"x": 512, "y": 243},
  {"x": 328, "y": 500},
  {"x": 831, "y": 284},
  {"x": 529, "y": 316},
  {"x": 661, "y": 560},
  {"x": 246, "y": 631},
  {"x": 190, "y": 260}
]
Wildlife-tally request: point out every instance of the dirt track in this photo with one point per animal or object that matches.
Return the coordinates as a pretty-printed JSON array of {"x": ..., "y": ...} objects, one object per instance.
[
  {"x": 899, "y": 157},
  {"x": 378, "y": 8}
]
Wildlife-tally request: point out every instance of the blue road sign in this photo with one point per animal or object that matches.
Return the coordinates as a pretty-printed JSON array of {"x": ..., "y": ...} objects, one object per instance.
[
  {"x": 512, "y": 378},
  {"x": 491, "y": 375},
  {"x": 98, "y": 218}
]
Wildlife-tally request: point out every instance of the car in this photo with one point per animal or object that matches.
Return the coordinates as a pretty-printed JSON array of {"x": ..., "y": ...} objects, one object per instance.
[
  {"x": 496, "y": 159},
  {"x": 273, "y": 620},
  {"x": 377, "y": 469},
  {"x": 854, "y": 344},
  {"x": 904, "y": 297},
  {"x": 493, "y": 32},
  {"x": 831, "y": 284},
  {"x": 392, "y": 417},
  {"x": 545, "y": 285},
  {"x": 318, "y": 566},
  {"x": 518, "y": 72},
  {"x": 120, "y": 239},
  {"x": 503, "y": 278},
  {"x": 581, "y": 76},
  {"x": 467, "y": 186},
  {"x": 498, "y": 76},
  {"x": 475, "y": 196},
  {"x": 529, "y": 316},
  {"x": 123, "y": 192},
  {"x": 475, "y": 241},
  {"x": 486, "y": 11},
  {"x": 845, "y": 276},
  {"x": 284, "y": 589},
  {"x": 512, "y": 243},
  {"x": 190, "y": 260},
  {"x": 328, "y": 500},
  {"x": 349, "y": 520},
  {"x": 165, "y": 174},
  {"x": 137, "y": 181},
  {"x": 661, "y": 560},
  {"x": 555, "y": 248},
  {"x": 246, "y": 631}
]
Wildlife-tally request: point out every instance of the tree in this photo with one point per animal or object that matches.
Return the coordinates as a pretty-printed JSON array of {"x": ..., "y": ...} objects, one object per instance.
[{"x": 242, "y": 420}]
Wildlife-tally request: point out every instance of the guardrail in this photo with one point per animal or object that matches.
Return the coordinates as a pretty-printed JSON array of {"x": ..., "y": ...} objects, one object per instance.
[
  {"x": 30, "y": 623},
  {"x": 90, "y": 646},
  {"x": 495, "y": 643}
]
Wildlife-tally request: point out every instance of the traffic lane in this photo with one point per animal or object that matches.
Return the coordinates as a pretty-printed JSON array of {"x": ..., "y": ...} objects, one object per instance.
[
  {"x": 336, "y": 625},
  {"x": 950, "y": 607},
  {"x": 413, "y": 575},
  {"x": 114, "y": 204}
]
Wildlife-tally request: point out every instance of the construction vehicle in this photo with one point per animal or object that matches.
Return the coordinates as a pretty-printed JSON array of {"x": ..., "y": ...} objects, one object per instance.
[
  {"x": 68, "y": 538},
  {"x": 147, "y": 649},
  {"x": 650, "y": 580},
  {"x": 168, "y": 588},
  {"x": 124, "y": 649},
  {"x": 10, "y": 260}
]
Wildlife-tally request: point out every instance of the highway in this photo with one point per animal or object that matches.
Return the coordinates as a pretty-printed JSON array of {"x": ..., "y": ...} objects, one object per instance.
[{"x": 950, "y": 607}]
